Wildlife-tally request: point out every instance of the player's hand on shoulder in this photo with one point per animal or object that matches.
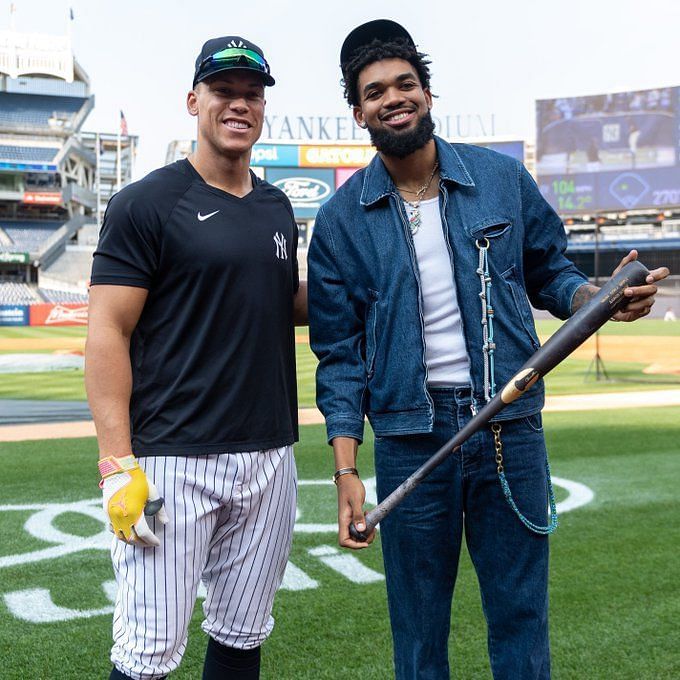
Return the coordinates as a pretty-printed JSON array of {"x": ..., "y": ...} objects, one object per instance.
[
  {"x": 129, "y": 497},
  {"x": 641, "y": 297},
  {"x": 351, "y": 498}
]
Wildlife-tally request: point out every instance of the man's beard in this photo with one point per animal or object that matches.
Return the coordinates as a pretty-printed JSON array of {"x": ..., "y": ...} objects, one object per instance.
[{"x": 402, "y": 144}]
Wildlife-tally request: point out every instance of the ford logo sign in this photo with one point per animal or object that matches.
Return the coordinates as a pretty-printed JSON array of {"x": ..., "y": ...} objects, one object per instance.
[{"x": 303, "y": 189}]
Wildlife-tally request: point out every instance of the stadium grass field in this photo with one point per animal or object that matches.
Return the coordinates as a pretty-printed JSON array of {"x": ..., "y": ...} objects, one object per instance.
[
  {"x": 571, "y": 377},
  {"x": 614, "y": 597},
  {"x": 614, "y": 602}
]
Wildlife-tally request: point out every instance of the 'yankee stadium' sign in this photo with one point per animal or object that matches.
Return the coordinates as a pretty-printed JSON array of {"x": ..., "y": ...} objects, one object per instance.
[{"x": 344, "y": 128}]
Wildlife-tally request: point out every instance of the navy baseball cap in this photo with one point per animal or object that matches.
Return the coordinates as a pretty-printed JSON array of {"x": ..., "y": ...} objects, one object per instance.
[
  {"x": 384, "y": 30},
  {"x": 230, "y": 52}
]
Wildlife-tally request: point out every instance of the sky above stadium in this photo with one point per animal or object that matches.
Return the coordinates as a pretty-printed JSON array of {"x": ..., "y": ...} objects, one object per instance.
[{"x": 490, "y": 58}]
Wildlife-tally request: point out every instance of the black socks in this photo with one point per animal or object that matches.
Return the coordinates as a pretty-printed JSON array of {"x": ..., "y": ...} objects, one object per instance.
[
  {"x": 222, "y": 663},
  {"x": 228, "y": 663}
]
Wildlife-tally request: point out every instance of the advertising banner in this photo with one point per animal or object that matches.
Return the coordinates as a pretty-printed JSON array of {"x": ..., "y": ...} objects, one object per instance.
[
  {"x": 14, "y": 258},
  {"x": 615, "y": 151},
  {"x": 27, "y": 167},
  {"x": 274, "y": 155},
  {"x": 13, "y": 315},
  {"x": 307, "y": 188},
  {"x": 43, "y": 197},
  {"x": 342, "y": 175},
  {"x": 327, "y": 156},
  {"x": 513, "y": 149},
  {"x": 67, "y": 314}
]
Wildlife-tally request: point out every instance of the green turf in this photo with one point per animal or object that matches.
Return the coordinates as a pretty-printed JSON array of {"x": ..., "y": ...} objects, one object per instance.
[
  {"x": 642, "y": 327},
  {"x": 306, "y": 369},
  {"x": 571, "y": 377},
  {"x": 43, "y": 331},
  {"x": 576, "y": 376},
  {"x": 68, "y": 385},
  {"x": 62, "y": 385},
  {"x": 614, "y": 598}
]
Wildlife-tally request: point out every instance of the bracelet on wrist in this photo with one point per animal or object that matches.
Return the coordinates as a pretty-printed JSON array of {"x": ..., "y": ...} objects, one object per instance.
[{"x": 344, "y": 471}]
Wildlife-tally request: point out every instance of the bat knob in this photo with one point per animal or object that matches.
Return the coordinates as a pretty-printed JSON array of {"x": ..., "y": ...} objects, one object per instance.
[
  {"x": 359, "y": 536},
  {"x": 152, "y": 507}
]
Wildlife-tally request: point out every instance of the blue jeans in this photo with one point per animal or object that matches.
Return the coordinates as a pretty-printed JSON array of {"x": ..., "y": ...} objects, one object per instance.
[{"x": 421, "y": 542}]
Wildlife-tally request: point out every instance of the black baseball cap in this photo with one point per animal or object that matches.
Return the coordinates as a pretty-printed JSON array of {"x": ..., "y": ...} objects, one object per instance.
[
  {"x": 230, "y": 52},
  {"x": 384, "y": 30}
]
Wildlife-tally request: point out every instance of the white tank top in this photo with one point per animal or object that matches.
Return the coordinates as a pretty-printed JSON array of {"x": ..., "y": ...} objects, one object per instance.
[{"x": 445, "y": 353}]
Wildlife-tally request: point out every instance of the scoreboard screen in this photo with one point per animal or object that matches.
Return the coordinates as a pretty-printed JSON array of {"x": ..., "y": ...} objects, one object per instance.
[{"x": 617, "y": 151}]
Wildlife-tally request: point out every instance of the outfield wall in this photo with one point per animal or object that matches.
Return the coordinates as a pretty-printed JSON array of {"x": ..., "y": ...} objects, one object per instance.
[{"x": 46, "y": 314}]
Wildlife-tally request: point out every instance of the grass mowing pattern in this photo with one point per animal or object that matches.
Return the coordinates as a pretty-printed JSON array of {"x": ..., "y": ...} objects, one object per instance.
[
  {"x": 573, "y": 377},
  {"x": 43, "y": 332},
  {"x": 568, "y": 378},
  {"x": 614, "y": 601},
  {"x": 60, "y": 385}
]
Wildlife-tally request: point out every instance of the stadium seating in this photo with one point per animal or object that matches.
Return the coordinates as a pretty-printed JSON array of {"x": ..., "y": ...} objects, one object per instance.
[
  {"x": 36, "y": 111},
  {"x": 27, "y": 236},
  {"x": 56, "y": 296},
  {"x": 16, "y": 294},
  {"x": 28, "y": 154},
  {"x": 71, "y": 267}
]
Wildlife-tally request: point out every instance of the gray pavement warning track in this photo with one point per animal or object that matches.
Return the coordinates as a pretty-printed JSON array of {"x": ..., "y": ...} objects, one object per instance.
[{"x": 23, "y": 411}]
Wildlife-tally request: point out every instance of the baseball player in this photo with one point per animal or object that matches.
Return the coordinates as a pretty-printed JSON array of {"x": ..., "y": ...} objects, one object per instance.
[
  {"x": 419, "y": 270},
  {"x": 190, "y": 374}
]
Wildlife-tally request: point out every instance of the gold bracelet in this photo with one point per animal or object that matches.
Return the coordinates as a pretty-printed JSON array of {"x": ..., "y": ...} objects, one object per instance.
[{"x": 344, "y": 471}]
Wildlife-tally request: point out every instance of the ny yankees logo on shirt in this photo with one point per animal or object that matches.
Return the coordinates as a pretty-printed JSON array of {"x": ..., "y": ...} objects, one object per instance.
[{"x": 280, "y": 242}]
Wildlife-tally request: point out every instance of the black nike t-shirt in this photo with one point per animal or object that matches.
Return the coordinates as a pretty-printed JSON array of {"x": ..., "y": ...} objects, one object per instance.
[{"x": 213, "y": 353}]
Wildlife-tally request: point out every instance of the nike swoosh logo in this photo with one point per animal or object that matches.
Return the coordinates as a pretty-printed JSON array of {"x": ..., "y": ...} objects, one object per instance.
[{"x": 202, "y": 218}]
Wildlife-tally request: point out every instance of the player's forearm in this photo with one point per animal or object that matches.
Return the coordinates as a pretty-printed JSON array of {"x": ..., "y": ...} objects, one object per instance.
[
  {"x": 582, "y": 295},
  {"x": 345, "y": 450},
  {"x": 108, "y": 381},
  {"x": 300, "y": 316}
]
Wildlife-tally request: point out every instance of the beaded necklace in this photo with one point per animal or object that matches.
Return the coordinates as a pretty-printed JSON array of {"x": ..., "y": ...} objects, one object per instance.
[{"x": 414, "y": 218}]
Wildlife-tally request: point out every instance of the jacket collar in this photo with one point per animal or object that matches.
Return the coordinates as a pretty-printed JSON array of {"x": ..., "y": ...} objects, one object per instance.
[{"x": 378, "y": 184}]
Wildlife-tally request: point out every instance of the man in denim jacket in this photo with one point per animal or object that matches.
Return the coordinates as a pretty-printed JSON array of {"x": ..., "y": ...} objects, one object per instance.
[{"x": 395, "y": 320}]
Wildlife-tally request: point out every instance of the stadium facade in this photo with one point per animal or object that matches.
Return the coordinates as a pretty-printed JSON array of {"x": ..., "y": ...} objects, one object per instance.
[{"x": 55, "y": 179}]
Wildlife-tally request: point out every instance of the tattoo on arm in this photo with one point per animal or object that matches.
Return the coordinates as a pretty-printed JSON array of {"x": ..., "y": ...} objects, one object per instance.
[{"x": 582, "y": 295}]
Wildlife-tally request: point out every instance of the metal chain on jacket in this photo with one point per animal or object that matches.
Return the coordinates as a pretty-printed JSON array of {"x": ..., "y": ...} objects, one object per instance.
[{"x": 488, "y": 351}]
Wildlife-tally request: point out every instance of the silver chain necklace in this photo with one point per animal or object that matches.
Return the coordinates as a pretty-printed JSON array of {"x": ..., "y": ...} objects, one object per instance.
[{"x": 414, "y": 218}]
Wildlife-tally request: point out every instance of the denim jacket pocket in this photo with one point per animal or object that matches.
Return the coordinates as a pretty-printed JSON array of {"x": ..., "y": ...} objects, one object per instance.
[
  {"x": 521, "y": 304},
  {"x": 491, "y": 227},
  {"x": 371, "y": 332}
]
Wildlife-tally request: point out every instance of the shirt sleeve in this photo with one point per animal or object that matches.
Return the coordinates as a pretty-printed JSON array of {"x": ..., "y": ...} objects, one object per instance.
[
  {"x": 551, "y": 278},
  {"x": 337, "y": 333},
  {"x": 129, "y": 243}
]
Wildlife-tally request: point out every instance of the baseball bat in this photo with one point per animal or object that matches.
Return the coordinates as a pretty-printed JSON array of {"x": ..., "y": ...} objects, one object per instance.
[{"x": 574, "y": 332}]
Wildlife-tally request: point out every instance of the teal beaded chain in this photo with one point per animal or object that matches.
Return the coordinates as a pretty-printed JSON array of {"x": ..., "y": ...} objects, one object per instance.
[{"x": 489, "y": 351}]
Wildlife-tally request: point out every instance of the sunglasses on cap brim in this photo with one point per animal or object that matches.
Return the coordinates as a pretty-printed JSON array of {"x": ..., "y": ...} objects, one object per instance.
[{"x": 235, "y": 57}]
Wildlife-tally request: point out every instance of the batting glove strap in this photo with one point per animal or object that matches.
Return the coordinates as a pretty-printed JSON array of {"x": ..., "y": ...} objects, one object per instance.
[{"x": 111, "y": 465}]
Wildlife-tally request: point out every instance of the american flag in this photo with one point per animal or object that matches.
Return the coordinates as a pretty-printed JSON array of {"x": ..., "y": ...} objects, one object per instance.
[{"x": 123, "y": 125}]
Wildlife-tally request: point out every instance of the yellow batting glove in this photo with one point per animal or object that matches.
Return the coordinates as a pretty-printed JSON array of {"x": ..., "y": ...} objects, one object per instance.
[{"x": 129, "y": 498}]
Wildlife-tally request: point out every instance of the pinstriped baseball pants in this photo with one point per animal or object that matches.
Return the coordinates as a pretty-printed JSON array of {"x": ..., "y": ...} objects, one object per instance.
[{"x": 231, "y": 525}]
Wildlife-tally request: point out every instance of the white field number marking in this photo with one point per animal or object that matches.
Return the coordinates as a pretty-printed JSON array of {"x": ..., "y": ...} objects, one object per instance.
[{"x": 35, "y": 605}]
